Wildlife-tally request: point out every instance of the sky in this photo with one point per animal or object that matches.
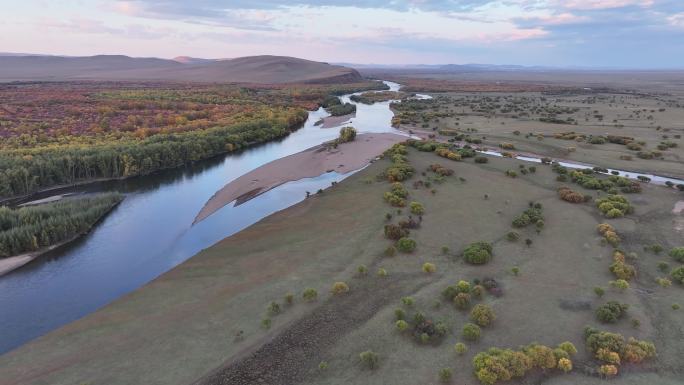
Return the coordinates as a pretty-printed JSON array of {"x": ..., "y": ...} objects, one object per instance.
[{"x": 563, "y": 33}]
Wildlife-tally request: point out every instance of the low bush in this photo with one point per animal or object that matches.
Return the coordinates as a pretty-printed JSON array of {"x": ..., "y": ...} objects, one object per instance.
[
  {"x": 445, "y": 374},
  {"x": 481, "y": 159},
  {"x": 482, "y": 315},
  {"x": 369, "y": 359},
  {"x": 569, "y": 195},
  {"x": 429, "y": 268},
  {"x": 611, "y": 311},
  {"x": 619, "y": 284},
  {"x": 417, "y": 208},
  {"x": 512, "y": 236},
  {"x": 678, "y": 254},
  {"x": 340, "y": 288},
  {"x": 406, "y": 245},
  {"x": 309, "y": 294},
  {"x": 471, "y": 332},
  {"x": 614, "y": 206},
  {"x": 395, "y": 232},
  {"x": 678, "y": 275},
  {"x": 478, "y": 253},
  {"x": 460, "y": 348}
]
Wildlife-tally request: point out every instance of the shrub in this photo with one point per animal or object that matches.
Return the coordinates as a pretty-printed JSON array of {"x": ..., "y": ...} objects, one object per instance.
[
  {"x": 515, "y": 270},
  {"x": 462, "y": 300},
  {"x": 266, "y": 323},
  {"x": 273, "y": 308},
  {"x": 445, "y": 374},
  {"x": 407, "y": 301},
  {"x": 406, "y": 245},
  {"x": 417, "y": 208},
  {"x": 599, "y": 291},
  {"x": 678, "y": 274},
  {"x": 663, "y": 282},
  {"x": 347, "y": 134},
  {"x": 470, "y": 332},
  {"x": 482, "y": 315},
  {"x": 429, "y": 267},
  {"x": 478, "y": 253},
  {"x": 481, "y": 159},
  {"x": 369, "y": 359},
  {"x": 323, "y": 365},
  {"x": 569, "y": 195},
  {"x": 608, "y": 370},
  {"x": 460, "y": 348},
  {"x": 382, "y": 272},
  {"x": 401, "y": 325},
  {"x": 620, "y": 284},
  {"x": 512, "y": 236},
  {"x": 565, "y": 365},
  {"x": 511, "y": 173},
  {"x": 362, "y": 270},
  {"x": 678, "y": 254},
  {"x": 611, "y": 312},
  {"x": 390, "y": 251},
  {"x": 395, "y": 232},
  {"x": 623, "y": 270},
  {"x": 309, "y": 294},
  {"x": 614, "y": 206},
  {"x": 289, "y": 298},
  {"x": 568, "y": 347},
  {"x": 340, "y": 288},
  {"x": 399, "y": 314}
]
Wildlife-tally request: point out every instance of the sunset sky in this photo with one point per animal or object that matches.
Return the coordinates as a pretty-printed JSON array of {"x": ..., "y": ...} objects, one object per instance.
[{"x": 606, "y": 33}]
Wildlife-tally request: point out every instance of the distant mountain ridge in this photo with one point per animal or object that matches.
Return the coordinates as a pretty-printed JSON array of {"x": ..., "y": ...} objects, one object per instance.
[{"x": 251, "y": 69}]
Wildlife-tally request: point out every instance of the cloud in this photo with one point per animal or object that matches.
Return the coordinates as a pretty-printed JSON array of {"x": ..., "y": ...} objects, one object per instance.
[
  {"x": 602, "y": 4},
  {"x": 676, "y": 20}
]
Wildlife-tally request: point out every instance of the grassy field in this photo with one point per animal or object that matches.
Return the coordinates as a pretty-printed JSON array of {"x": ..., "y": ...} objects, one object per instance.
[
  {"x": 205, "y": 320},
  {"x": 533, "y": 122}
]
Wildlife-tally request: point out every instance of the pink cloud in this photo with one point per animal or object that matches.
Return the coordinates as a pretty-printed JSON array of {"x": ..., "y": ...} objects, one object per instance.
[{"x": 602, "y": 4}]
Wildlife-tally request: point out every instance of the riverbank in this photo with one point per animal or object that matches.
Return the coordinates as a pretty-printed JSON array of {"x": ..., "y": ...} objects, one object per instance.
[
  {"x": 312, "y": 162},
  {"x": 12, "y": 263}
]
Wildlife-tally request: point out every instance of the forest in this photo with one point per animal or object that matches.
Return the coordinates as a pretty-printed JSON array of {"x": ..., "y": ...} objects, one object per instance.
[
  {"x": 60, "y": 134},
  {"x": 31, "y": 228}
]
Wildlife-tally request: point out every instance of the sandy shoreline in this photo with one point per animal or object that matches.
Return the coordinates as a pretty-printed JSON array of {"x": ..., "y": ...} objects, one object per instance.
[
  {"x": 12, "y": 263},
  {"x": 306, "y": 164},
  {"x": 335, "y": 121}
]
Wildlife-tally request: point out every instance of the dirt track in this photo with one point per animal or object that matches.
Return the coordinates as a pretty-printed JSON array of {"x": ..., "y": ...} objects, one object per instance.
[{"x": 299, "y": 349}]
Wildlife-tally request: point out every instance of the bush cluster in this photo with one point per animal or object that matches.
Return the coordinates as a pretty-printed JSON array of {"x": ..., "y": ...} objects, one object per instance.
[
  {"x": 395, "y": 232},
  {"x": 478, "y": 253},
  {"x": 532, "y": 215},
  {"x": 614, "y": 206},
  {"x": 396, "y": 196},
  {"x": 678, "y": 275},
  {"x": 612, "y": 349},
  {"x": 611, "y": 311},
  {"x": 441, "y": 170},
  {"x": 498, "y": 365},
  {"x": 569, "y": 195},
  {"x": 620, "y": 268},
  {"x": 609, "y": 234},
  {"x": 400, "y": 170}
]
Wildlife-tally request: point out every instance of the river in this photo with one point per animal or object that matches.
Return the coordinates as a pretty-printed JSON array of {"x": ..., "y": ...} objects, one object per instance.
[{"x": 151, "y": 231}]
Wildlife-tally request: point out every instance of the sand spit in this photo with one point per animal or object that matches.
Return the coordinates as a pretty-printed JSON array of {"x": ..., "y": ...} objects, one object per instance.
[
  {"x": 335, "y": 121},
  {"x": 306, "y": 164}
]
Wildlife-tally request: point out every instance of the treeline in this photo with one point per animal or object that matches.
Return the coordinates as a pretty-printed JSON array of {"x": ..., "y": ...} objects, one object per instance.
[
  {"x": 32, "y": 228},
  {"x": 26, "y": 171}
]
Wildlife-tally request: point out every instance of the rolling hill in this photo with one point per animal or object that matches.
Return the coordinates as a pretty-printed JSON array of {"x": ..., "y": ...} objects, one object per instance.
[{"x": 252, "y": 69}]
